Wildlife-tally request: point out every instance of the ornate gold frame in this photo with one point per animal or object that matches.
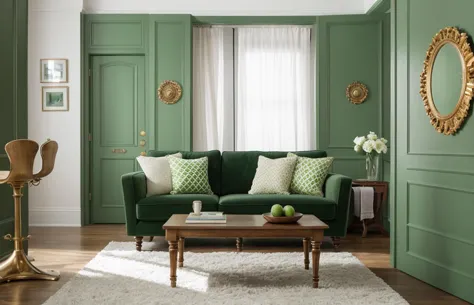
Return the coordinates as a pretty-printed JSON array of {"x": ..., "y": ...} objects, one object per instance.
[
  {"x": 357, "y": 93},
  {"x": 448, "y": 124},
  {"x": 169, "y": 92}
]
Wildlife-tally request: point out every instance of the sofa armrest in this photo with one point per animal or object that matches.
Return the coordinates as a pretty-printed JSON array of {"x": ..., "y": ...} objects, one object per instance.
[
  {"x": 134, "y": 189},
  {"x": 338, "y": 188}
]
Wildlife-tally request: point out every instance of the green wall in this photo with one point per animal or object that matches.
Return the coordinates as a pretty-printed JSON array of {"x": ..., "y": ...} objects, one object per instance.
[
  {"x": 434, "y": 174},
  {"x": 166, "y": 43},
  {"x": 353, "y": 48},
  {"x": 13, "y": 103},
  {"x": 349, "y": 48}
]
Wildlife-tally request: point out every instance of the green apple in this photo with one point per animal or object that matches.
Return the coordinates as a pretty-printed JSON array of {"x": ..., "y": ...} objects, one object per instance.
[
  {"x": 277, "y": 210},
  {"x": 289, "y": 210}
]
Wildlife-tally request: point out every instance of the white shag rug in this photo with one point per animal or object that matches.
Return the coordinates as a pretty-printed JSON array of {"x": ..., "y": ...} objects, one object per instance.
[{"x": 121, "y": 275}]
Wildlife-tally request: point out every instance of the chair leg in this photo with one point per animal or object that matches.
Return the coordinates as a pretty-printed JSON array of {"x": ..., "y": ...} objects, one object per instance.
[
  {"x": 336, "y": 241},
  {"x": 151, "y": 238},
  {"x": 138, "y": 242}
]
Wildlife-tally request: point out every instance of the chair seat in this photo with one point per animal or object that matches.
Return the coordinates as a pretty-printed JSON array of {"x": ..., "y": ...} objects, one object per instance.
[
  {"x": 323, "y": 208},
  {"x": 161, "y": 207},
  {"x": 4, "y": 176}
]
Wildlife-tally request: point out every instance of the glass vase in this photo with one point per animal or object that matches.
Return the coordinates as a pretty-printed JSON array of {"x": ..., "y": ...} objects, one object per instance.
[{"x": 372, "y": 166}]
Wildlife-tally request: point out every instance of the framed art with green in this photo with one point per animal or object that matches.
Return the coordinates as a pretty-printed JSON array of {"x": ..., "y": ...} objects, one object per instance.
[{"x": 55, "y": 98}]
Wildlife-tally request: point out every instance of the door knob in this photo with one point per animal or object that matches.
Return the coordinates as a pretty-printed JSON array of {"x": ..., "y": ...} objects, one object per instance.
[
  {"x": 143, "y": 133},
  {"x": 142, "y": 143},
  {"x": 143, "y": 153}
]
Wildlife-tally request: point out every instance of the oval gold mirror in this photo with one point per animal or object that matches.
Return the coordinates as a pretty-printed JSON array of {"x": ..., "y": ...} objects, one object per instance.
[{"x": 447, "y": 80}]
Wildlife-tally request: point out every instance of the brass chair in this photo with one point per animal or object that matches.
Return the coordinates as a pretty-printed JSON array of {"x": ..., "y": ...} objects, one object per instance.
[{"x": 21, "y": 154}]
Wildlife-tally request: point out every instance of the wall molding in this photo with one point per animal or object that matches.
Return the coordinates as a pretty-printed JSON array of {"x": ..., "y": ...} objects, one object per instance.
[
  {"x": 437, "y": 186},
  {"x": 55, "y": 217},
  {"x": 379, "y": 23},
  {"x": 430, "y": 261},
  {"x": 438, "y": 233},
  {"x": 443, "y": 171},
  {"x": 7, "y": 220}
]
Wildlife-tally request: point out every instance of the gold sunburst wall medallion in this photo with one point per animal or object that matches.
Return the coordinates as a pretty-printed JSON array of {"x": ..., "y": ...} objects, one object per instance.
[
  {"x": 169, "y": 92},
  {"x": 357, "y": 93},
  {"x": 449, "y": 123}
]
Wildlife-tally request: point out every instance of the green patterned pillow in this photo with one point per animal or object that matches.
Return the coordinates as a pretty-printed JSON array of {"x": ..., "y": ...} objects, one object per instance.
[
  {"x": 309, "y": 175},
  {"x": 189, "y": 176}
]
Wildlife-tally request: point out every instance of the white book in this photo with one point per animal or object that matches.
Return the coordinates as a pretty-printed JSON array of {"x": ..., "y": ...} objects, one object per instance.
[
  {"x": 223, "y": 219},
  {"x": 206, "y": 215}
]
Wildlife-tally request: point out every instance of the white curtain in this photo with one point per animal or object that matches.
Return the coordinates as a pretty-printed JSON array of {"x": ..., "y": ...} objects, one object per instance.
[
  {"x": 274, "y": 95},
  {"x": 208, "y": 89}
]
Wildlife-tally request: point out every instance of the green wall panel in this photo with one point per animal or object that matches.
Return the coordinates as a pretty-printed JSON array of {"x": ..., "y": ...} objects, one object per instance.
[
  {"x": 165, "y": 42},
  {"x": 434, "y": 173},
  {"x": 116, "y": 34},
  {"x": 13, "y": 105},
  {"x": 351, "y": 48},
  {"x": 172, "y": 55}
]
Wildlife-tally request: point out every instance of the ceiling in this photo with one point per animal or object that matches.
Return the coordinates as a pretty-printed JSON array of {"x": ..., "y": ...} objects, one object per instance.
[{"x": 229, "y": 8}]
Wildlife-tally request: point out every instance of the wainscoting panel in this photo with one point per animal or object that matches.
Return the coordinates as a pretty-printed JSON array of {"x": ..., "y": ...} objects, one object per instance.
[
  {"x": 172, "y": 55},
  {"x": 434, "y": 173},
  {"x": 352, "y": 48},
  {"x": 13, "y": 105},
  {"x": 116, "y": 33}
]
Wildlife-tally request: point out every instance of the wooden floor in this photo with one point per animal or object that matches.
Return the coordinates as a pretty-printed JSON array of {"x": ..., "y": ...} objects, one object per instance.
[{"x": 69, "y": 249}]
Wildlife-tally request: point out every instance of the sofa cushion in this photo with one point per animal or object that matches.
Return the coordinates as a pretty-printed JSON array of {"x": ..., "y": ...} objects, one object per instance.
[
  {"x": 239, "y": 167},
  {"x": 309, "y": 175},
  {"x": 158, "y": 174},
  {"x": 213, "y": 157},
  {"x": 190, "y": 176},
  {"x": 324, "y": 209},
  {"x": 161, "y": 207},
  {"x": 273, "y": 176}
]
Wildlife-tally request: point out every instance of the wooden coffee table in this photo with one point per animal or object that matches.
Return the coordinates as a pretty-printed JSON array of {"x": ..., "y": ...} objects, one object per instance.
[{"x": 309, "y": 227}]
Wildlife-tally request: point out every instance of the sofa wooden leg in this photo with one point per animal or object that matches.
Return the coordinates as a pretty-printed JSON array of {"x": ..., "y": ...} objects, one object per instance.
[
  {"x": 239, "y": 243},
  {"x": 336, "y": 241},
  {"x": 151, "y": 238},
  {"x": 138, "y": 242}
]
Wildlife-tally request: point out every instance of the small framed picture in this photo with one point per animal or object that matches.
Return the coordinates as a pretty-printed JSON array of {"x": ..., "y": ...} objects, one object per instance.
[
  {"x": 55, "y": 98},
  {"x": 54, "y": 70}
]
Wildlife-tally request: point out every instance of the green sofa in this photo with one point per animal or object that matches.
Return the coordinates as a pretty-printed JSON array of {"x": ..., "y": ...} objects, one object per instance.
[{"x": 230, "y": 176}]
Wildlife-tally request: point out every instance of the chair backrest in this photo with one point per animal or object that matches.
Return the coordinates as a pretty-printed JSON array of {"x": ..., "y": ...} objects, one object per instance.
[
  {"x": 21, "y": 154},
  {"x": 48, "y": 154}
]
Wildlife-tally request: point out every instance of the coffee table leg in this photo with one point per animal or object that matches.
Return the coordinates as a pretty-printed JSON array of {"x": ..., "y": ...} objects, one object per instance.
[
  {"x": 173, "y": 249},
  {"x": 306, "y": 252},
  {"x": 239, "y": 244},
  {"x": 181, "y": 251},
  {"x": 316, "y": 253}
]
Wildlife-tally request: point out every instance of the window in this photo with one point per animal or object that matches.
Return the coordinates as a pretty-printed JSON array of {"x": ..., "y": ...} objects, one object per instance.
[{"x": 253, "y": 89}]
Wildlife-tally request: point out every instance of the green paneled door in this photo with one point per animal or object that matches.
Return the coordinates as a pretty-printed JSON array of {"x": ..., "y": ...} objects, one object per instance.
[
  {"x": 13, "y": 104},
  {"x": 118, "y": 118}
]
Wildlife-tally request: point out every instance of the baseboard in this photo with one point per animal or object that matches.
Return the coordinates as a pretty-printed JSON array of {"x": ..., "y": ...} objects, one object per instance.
[{"x": 55, "y": 217}]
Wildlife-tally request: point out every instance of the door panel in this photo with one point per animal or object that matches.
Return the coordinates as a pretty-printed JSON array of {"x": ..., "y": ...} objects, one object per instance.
[
  {"x": 13, "y": 106},
  {"x": 118, "y": 117}
]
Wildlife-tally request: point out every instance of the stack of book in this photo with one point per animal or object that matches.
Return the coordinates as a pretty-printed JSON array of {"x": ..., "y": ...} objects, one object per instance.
[{"x": 207, "y": 217}]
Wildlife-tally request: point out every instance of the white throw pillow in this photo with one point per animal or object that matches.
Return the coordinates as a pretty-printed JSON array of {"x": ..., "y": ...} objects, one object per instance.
[
  {"x": 158, "y": 174},
  {"x": 273, "y": 176}
]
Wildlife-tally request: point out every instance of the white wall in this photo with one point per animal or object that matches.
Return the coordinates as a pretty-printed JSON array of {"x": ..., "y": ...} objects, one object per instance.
[
  {"x": 54, "y": 32},
  {"x": 229, "y": 7}
]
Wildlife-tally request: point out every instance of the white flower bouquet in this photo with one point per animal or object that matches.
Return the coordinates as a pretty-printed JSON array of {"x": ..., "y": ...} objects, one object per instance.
[{"x": 372, "y": 146}]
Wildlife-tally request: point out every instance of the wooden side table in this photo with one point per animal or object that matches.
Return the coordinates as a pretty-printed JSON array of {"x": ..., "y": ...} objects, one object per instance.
[{"x": 380, "y": 200}]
